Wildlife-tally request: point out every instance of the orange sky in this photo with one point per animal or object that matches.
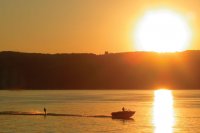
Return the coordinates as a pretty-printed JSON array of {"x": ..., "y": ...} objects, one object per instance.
[{"x": 93, "y": 26}]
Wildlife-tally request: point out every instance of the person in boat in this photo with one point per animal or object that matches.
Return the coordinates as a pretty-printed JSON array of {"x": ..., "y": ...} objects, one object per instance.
[
  {"x": 45, "y": 111},
  {"x": 123, "y": 109}
]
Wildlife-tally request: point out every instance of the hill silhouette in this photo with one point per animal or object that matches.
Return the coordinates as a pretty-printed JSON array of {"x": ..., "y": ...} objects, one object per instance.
[{"x": 131, "y": 70}]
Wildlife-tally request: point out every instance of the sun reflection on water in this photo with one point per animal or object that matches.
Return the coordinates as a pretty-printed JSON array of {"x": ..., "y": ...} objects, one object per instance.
[{"x": 163, "y": 112}]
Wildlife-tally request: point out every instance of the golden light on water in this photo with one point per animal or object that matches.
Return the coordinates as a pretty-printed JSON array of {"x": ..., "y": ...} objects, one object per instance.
[
  {"x": 162, "y": 30},
  {"x": 163, "y": 112}
]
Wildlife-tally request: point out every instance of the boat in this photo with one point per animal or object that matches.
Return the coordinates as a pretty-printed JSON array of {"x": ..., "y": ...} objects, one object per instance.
[{"x": 122, "y": 114}]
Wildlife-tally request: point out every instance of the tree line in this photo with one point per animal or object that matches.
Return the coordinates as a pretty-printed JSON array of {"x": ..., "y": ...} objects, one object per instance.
[{"x": 131, "y": 70}]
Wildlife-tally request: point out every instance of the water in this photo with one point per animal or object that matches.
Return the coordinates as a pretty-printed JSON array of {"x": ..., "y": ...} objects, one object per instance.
[{"x": 181, "y": 115}]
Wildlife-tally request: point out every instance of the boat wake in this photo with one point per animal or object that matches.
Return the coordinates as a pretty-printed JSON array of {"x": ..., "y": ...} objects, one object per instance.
[{"x": 50, "y": 114}]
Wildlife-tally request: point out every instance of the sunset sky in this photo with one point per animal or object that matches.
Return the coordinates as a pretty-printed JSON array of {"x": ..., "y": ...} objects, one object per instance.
[{"x": 92, "y": 26}]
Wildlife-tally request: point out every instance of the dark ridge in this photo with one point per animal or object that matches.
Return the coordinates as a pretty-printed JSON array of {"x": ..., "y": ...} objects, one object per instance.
[{"x": 128, "y": 70}]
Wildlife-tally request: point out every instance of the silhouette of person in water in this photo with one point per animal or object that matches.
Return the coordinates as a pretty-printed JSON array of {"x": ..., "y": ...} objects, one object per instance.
[
  {"x": 123, "y": 109},
  {"x": 45, "y": 111}
]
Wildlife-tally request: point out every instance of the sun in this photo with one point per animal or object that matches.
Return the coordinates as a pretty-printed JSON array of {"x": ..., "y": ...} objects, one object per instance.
[{"x": 162, "y": 31}]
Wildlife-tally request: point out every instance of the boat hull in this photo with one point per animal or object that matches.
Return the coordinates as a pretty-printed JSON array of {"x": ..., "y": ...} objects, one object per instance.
[{"x": 122, "y": 114}]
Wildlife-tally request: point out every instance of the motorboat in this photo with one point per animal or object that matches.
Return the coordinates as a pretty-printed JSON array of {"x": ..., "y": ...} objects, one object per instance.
[{"x": 122, "y": 114}]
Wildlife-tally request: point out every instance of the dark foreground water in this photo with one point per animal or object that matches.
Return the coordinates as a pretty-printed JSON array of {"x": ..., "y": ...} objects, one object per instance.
[{"x": 89, "y": 111}]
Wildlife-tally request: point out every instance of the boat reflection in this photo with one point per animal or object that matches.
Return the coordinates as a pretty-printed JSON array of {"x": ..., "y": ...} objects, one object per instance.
[
  {"x": 163, "y": 112},
  {"x": 124, "y": 121}
]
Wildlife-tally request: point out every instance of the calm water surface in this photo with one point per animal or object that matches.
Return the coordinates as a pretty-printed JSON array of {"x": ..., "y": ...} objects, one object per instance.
[{"x": 165, "y": 112}]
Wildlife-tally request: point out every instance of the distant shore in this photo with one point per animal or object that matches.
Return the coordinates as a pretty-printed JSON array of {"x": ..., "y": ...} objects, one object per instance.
[{"x": 129, "y": 70}]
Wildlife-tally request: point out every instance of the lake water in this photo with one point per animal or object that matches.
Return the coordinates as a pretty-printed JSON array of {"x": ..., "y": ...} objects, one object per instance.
[{"x": 169, "y": 112}]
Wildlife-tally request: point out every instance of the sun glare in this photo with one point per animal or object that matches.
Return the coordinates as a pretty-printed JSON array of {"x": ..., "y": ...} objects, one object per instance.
[
  {"x": 163, "y": 114},
  {"x": 162, "y": 31}
]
